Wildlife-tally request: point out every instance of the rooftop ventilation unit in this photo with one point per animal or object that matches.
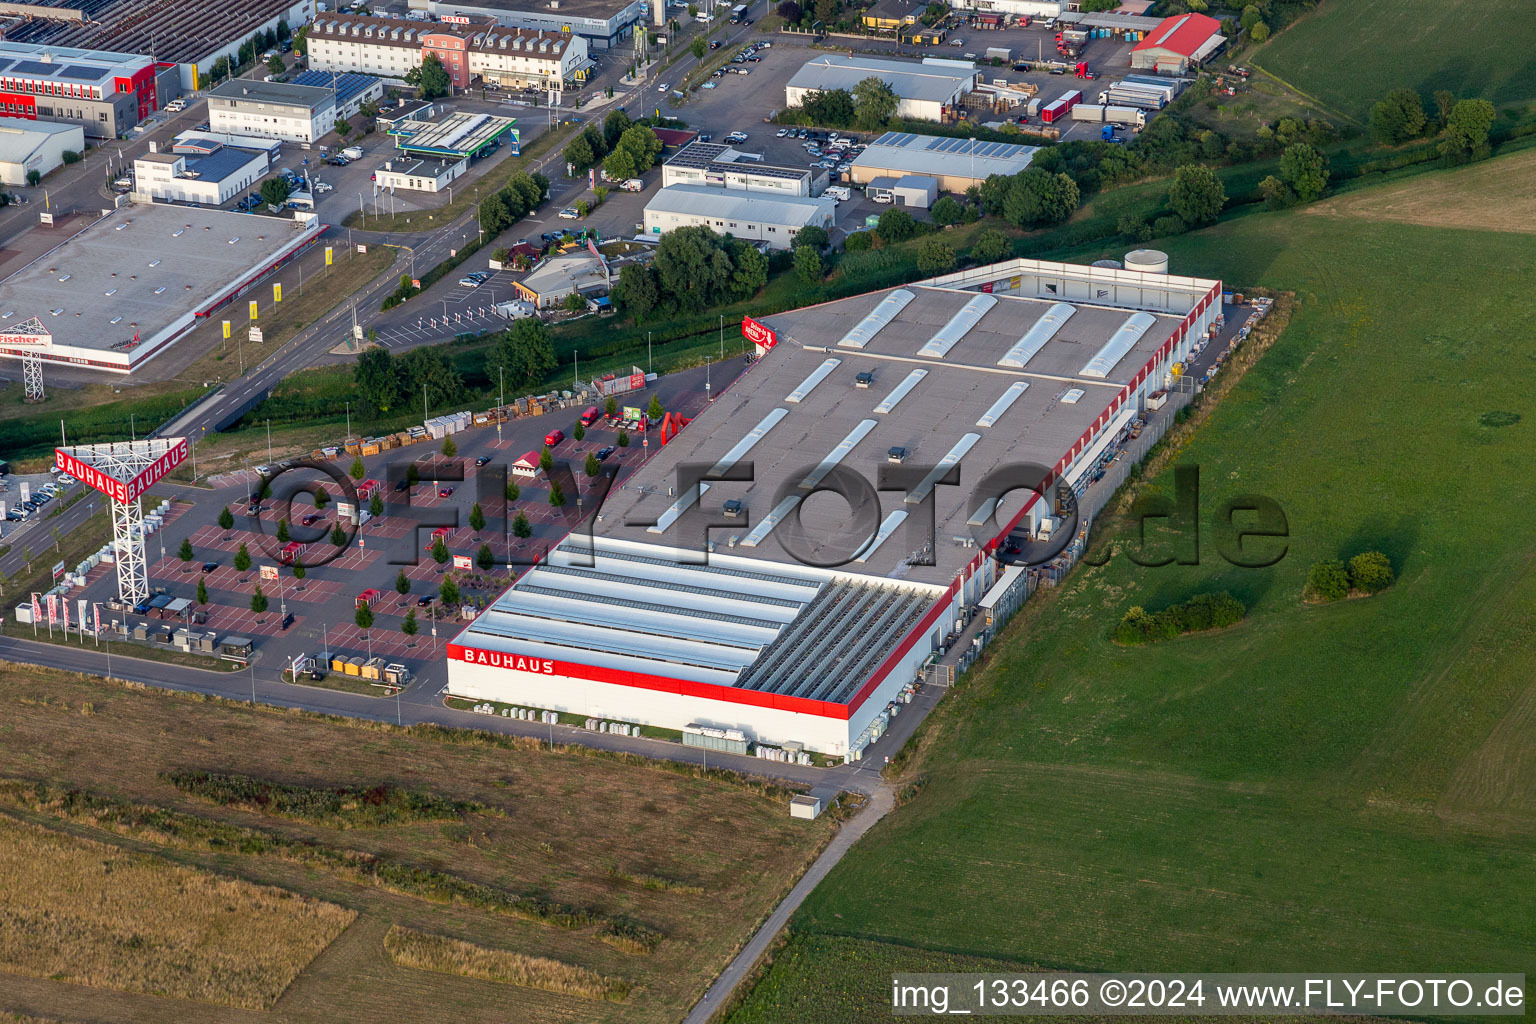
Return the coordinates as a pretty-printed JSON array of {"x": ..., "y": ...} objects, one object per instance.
[
  {"x": 950, "y": 334},
  {"x": 864, "y": 380}
]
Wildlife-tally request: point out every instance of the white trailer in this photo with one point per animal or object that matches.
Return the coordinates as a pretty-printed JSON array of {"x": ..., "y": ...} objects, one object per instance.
[
  {"x": 1088, "y": 112},
  {"x": 1133, "y": 116},
  {"x": 1119, "y": 97}
]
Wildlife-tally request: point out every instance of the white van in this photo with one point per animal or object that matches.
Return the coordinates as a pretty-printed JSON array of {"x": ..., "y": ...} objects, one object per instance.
[{"x": 841, "y": 193}]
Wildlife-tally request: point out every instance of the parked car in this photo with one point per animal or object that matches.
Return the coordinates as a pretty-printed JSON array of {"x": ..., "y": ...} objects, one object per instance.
[
  {"x": 310, "y": 520},
  {"x": 569, "y": 213},
  {"x": 445, "y": 492},
  {"x": 423, "y": 601},
  {"x": 482, "y": 460},
  {"x": 554, "y": 437},
  {"x": 604, "y": 452}
]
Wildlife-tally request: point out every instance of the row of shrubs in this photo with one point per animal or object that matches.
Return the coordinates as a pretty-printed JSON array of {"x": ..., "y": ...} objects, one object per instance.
[
  {"x": 183, "y": 831},
  {"x": 1332, "y": 579},
  {"x": 1199, "y": 613},
  {"x": 339, "y": 807}
]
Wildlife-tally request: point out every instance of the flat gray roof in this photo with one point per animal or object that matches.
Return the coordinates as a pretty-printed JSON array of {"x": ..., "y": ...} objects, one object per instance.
[
  {"x": 147, "y": 265},
  {"x": 758, "y": 207},
  {"x": 606, "y": 9},
  {"x": 282, "y": 94},
  {"x": 935, "y": 82},
  {"x": 908, "y": 153},
  {"x": 813, "y": 414}
]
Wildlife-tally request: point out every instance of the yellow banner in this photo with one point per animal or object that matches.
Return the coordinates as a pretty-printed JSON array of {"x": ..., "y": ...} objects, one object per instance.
[
  {"x": 253, "y": 309},
  {"x": 327, "y": 255},
  {"x": 226, "y": 330},
  {"x": 277, "y": 292}
]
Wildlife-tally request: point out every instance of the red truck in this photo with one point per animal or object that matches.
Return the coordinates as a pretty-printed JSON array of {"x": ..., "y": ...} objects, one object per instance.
[
  {"x": 591, "y": 415},
  {"x": 554, "y": 437}
]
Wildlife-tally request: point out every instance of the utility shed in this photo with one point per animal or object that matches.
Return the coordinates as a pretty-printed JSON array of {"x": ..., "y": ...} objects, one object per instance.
[{"x": 916, "y": 190}]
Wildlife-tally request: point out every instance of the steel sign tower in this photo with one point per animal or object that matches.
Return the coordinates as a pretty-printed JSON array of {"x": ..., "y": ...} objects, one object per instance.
[
  {"x": 29, "y": 337},
  {"x": 123, "y": 471}
]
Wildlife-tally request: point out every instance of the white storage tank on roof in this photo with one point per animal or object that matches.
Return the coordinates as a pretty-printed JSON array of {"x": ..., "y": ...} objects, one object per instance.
[
  {"x": 1148, "y": 261},
  {"x": 1108, "y": 264}
]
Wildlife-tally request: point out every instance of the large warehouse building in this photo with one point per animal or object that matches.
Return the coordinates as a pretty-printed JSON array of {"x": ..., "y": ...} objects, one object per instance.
[
  {"x": 1178, "y": 44},
  {"x": 802, "y": 622},
  {"x": 956, "y": 164},
  {"x": 121, "y": 291},
  {"x": 927, "y": 91}
]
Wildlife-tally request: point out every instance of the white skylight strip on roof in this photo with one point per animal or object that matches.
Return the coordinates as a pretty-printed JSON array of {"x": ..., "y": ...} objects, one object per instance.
[
  {"x": 1035, "y": 338},
  {"x": 950, "y": 334},
  {"x": 678, "y": 507},
  {"x": 881, "y": 315},
  {"x": 839, "y": 453},
  {"x": 902, "y": 391},
  {"x": 761, "y": 530},
  {"x": 947, "y": 463},
  {"x": 1119, "y": 343},
  {"x": 743, "y": 446},
  {"x": 818, "y": 375},
  {"x": 887, "y": 528},
  {"x": 1004, "y": 401}
]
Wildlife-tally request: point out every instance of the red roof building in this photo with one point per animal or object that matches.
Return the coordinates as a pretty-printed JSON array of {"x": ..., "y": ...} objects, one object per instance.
[{"x": 1179, "y": 43}]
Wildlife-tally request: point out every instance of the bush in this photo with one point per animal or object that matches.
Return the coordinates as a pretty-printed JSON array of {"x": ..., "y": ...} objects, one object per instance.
[
  {"x": 1200, "y": 613},
  {"x": 1370, "y": 572},
  {"x": 1327, "y": 580},
  {"x": 858, "y": 241},
  {"x": 1172, "y": 224}
]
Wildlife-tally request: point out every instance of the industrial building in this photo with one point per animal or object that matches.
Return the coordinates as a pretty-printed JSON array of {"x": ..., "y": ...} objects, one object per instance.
[
  {"x": 604, "y": 24},
  {"x": 513, "y": 58},
  {"x": 719, "y": 166},
  {"x": 458, "y": 136},
  {"x": 103, "y": 91},
  {"x": 754, "y": 216},
  {"x": 1178, "y": 44},
  {"x": 212, "y": 179},
  {"x": 186, "y": 36},
  {"x": 752, "y": 604},
  {"x": 956, "y": 164},
  {"x": 927, "y": 91},
  {"x": 272, "y": 110},
  {"x": 351, "y": 91},
  {"x": 121, "y": 291},
  {"x": 1045, "y": 9},
  {"x": 418, "y": 175},
  {"x": 35, "y": 146},
  {"x": 555, "y": 279}
]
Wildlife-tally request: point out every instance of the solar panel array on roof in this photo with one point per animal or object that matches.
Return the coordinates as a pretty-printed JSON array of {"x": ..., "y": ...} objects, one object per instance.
[
  {"x": 5, "y": 63},
  {"x": 950, "y": 334},
  {"x": 1035, "y": 338},
  {"x": 32, "y": 67},
  {"x": 1119, "y": 343},
  {"x": 946, "y": 144},
  {"x": 878, "y": 318},
  {"x": 80, "y": 73}
]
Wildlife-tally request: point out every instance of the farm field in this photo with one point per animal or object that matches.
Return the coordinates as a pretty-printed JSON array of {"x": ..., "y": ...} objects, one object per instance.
[
  {"x": 542, "y": 862},
  {"x": 1496, "y": 195},
  {"x": 88, "y": 913},
  {"x": 1349, "y": 54},
  {"x": 1347, "y": 785}
]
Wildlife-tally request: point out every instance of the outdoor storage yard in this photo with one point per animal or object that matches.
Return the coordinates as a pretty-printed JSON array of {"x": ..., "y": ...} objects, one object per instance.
[
  {"x": 1346, "y": 784},
  {"x": 561, "y": 867}
]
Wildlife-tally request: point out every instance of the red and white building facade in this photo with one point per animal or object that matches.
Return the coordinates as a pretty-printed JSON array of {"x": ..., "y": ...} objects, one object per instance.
[
  {"x": 971, "y": 372},
  {"x": 469, "y": 49},
  {"x": 106, "y": 93}
]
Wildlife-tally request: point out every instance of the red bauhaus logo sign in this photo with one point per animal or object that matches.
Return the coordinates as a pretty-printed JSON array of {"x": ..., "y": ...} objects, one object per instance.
[
  {"x": 758, "y": 334},
  {"x": 122, "y": 490}
]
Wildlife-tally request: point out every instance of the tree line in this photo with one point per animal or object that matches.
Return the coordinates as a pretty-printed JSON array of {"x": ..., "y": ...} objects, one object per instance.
[
  {"x": 521, "y": 357},
  {"x": 625, "y": 148}
]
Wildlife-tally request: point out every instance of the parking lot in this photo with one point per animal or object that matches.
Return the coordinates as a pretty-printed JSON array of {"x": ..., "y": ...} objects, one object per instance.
[{"x": 323, "y": 603}]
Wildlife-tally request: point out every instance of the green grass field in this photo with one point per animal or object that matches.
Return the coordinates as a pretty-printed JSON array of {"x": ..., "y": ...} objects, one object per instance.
[
  {"x": 1347, "y": 787},
  {"x": 1349, "y": 53}
]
